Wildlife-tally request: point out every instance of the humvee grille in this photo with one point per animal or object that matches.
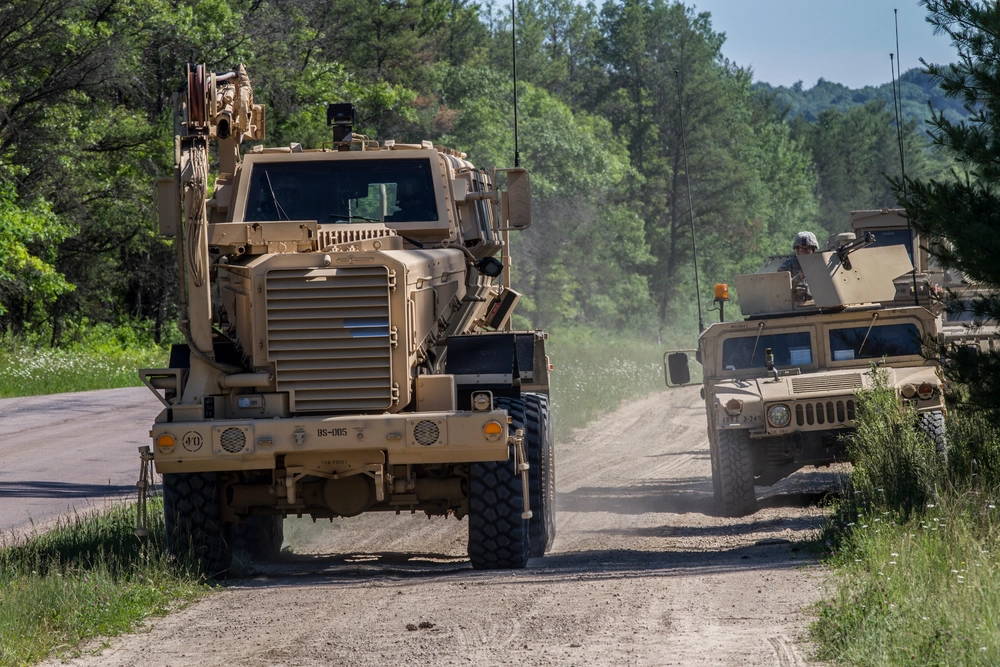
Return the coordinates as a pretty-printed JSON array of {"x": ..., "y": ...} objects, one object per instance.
[
  {"x": 806, "y": 383},
  {"x": 328, "y": 336},
  {"x": 833, "y": 412}
]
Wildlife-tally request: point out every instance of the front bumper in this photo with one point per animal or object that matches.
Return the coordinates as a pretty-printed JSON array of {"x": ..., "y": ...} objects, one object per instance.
[{"x": 255, "y": 444}]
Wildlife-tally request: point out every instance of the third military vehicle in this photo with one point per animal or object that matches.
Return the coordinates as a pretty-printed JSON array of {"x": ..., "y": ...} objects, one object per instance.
[
  {"x": 347, "y": 313},
  {"x": 779, "y": 386}
]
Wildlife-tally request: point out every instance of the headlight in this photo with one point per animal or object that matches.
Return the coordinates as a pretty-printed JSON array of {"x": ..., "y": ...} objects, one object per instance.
[
  {"x": 779, "y": 415},
  {"x": 908, "y": 390}
]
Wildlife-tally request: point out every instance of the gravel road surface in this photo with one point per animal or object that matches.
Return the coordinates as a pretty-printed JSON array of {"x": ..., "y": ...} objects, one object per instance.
[
  {"x": 61, "y": 453},
  {"x": 641, "y": 573}
]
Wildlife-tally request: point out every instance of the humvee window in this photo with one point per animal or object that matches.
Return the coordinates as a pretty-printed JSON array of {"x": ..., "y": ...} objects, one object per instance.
[
  {"x": 960, "y": 311},
  {"x": 887, "y": 340},
  {"x": 342, "y": 191},
  {"x": 790, "y": 349},
  {"x": 887, "y": 237}
]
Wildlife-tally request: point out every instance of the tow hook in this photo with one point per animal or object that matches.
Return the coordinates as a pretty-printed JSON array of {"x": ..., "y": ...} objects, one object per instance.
[
  {"x": 145, "y": 474},
  {"x": 522, "y": 467}
]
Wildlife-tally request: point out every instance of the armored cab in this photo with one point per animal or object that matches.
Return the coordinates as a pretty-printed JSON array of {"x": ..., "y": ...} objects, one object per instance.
[
  {"x": 779, "y": 385},
  {"x": 349, "y": 349}
]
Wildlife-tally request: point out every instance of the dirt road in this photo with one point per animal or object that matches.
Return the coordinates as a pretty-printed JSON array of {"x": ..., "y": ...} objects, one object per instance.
[
  {"x": 66, "y": 452},
  {"x": 641, "y": 573}
]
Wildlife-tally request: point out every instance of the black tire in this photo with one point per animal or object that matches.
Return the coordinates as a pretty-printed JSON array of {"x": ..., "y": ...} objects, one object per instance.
[
  {"x": 933, "y": 425},
  {"x": 195, "y": 531},
  {"x": 734, "y": 492},
  {"x": 541, "y": 474},
  {"x": 259, "y": 537},
  {"x": 498, "y": 535}
]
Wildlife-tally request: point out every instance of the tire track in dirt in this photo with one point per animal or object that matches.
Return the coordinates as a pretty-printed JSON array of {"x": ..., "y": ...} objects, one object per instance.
[{"x": 641, "y": 573}]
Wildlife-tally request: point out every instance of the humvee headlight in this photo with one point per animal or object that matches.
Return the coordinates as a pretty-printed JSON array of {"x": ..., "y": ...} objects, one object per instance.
[
  {"x": 482, "y": 401},
  {"x": 926, "y": 390},
  {"x": 166, "y": 442},
  {"x": 908, "y": 390},
  {"x": 492, "y": 430},
  {"x": 779, "y": 415},
  {"x": 734, "y": 406}
]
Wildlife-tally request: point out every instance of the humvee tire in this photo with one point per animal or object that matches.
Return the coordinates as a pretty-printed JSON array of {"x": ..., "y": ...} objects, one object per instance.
[
  {"x": 735, "y": 494},
  {"x": 533, "y": 412},
  {"x": 195, "y": 530},
  {"x": 498, "y": 536},
  {"x": 932, "y": 424},
  {"x": 259, "y": 537}
]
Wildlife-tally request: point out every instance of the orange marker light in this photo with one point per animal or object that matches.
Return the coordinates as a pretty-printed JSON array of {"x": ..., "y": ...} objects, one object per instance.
[
  {"x": 492, "y": 430},
  {"x": 721, "y": 292},
  {"x": 165, "y": 441}
]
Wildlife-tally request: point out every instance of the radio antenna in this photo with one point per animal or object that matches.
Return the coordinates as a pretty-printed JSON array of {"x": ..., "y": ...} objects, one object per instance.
[
  {"x": 513, "y": 59},
  {"x": 690, "y": 197},
  {"x": 897, "y": 105}
]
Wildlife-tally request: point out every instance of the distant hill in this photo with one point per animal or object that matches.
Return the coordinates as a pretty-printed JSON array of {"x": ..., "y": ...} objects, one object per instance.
[{"x": 918, "y": 89}]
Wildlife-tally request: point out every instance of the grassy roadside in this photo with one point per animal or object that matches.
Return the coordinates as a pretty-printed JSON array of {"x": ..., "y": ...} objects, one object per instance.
[
  {"x": 88, "y": 577},
  {"x": 595, "y": 371},
  {"x": 102, "y": 357},
  {"x": 916, "y": 546}
]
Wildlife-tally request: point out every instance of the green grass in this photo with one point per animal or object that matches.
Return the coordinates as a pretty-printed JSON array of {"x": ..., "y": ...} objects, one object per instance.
[
  {"x": 595, "y": 371},
  {"x": 101, "y": 358},
  {"x": 915, "y": 545},
  {"x": 88, "y": 577}
]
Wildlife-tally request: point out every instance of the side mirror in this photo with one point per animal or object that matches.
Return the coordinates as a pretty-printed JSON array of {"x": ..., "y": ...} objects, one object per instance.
[
  {"x": 516, "y": 199},
  {"x": 678, "y": 370}
]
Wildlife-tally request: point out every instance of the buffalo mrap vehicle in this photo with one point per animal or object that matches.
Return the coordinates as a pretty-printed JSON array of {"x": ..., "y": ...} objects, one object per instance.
[{"x": 347, "y": 314}]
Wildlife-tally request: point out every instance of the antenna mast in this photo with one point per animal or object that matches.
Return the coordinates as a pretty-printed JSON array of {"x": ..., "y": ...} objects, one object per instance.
[
  {"x": 897, "y": 105},
  {"x": 687, "y": 179},
  {"x": 513, "y": 58}
]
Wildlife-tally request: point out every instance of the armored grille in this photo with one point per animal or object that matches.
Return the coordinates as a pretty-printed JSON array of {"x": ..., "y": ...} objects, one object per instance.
[
  {"x": 233, "y": 440},
  {"x": 806, "y": 384},
  {"x": 825, "y": 413},
  {"x": 330, "y": 235},
  {"x": 328, "y": 334},
  {"x": 426, "y": 432}
]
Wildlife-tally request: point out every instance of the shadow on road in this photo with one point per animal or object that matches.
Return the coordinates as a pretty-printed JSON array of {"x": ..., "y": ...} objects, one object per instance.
[{"x": 39, "y": 489}]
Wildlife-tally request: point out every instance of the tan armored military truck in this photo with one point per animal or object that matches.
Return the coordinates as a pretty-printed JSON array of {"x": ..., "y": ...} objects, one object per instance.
[
  {"x": 779, "y": 386},
  {"x": 347, "y": 313}
]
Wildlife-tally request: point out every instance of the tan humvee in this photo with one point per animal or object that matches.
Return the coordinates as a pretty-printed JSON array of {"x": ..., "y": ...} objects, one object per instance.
[
  {"x": 349, "y": 345},
  {"x": 779, "y": 386}
]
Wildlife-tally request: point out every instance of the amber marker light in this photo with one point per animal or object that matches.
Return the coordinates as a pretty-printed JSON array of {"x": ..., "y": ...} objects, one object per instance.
[
  {"x": 721, "y": 292},
  {"x": 165, "y": 442},
  {"x": 734, "y": 406},
  {"x": 926, "y": 390},
  {"x": 492, "y": 430}
]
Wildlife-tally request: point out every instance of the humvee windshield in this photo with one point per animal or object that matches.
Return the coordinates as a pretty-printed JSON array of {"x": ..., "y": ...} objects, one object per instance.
[
  {"x": 399, "y": 190},
  {"x": 790, "y": 349},
  {"x": 887, "y": 340}
]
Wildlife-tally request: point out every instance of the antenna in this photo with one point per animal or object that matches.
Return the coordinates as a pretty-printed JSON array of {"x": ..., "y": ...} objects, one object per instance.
[
  {"x": 897, "y": 104},
  {"x": 687, "y": 179},
  {"x": 513, "y": 58}
]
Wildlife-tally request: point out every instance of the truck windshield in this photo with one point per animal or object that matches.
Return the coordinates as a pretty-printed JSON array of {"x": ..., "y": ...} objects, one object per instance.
[
  {"x": 887, "y": 237},
  {"x": 399, "y": 190},
  {"x": 790, "y": 349},
  {"x": 887, "y": 340}
]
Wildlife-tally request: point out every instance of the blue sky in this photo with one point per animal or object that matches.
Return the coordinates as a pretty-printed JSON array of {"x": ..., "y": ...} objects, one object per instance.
[{"x": 847, "y": 41}]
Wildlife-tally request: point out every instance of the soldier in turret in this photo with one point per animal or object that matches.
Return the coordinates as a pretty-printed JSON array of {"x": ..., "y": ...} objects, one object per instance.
[{"x": 805, "y": 243}]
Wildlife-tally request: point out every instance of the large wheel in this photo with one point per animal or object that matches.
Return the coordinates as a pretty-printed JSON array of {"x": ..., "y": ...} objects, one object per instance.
[
  {"x": 733, "y": 472},
  {"x": 260, "y": 536},
  {"x": 498, "y": 535},
  {"x": 195, "y": 530},
  {"x": 532, "y": 414},
  {"x": 932, "y": 424}
]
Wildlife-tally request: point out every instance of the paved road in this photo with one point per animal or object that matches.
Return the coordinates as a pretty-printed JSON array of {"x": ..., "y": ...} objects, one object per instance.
[
  {"x": 641, "y": 573},
  {"x": 66, "y": 452}
]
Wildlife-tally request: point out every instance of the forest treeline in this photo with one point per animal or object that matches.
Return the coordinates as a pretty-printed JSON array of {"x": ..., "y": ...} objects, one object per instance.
[{"x": 608, "y": 96}]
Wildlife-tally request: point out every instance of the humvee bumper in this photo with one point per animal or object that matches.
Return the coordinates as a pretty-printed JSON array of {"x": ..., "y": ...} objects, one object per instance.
[{"x": 255, "y": 444}]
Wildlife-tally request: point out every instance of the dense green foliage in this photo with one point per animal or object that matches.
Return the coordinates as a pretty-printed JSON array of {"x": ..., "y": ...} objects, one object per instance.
[
  {"x": 609, "y": 96},
  {"x": 961, "y": 214},
  {"x": 89, "y": 576},
  {"x": 916, "y": 543}
]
